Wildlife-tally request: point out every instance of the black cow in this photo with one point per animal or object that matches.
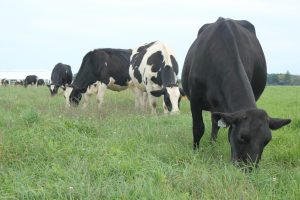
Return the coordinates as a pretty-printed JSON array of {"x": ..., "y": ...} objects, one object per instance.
[
  {"x": 40, "y": 82},
  {"x": 225, "y": 73},
  {"x": 108, "y": 66},
  {"x": 61, "y": 76},
  {"x": 30, "y": 80},
  {"x": 153, "y": 69}
]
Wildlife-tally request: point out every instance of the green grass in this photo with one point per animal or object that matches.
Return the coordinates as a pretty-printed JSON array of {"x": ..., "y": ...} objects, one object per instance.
[{"x": 49, "y": 152}]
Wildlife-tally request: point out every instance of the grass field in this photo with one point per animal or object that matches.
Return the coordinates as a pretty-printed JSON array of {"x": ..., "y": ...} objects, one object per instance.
[{"x": 48, "y": 152}]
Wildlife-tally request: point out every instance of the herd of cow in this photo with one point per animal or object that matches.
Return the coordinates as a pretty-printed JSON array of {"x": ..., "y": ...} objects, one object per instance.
[
  {"x": 29, "y": 80},
  {"x": 224, "y": 72}
]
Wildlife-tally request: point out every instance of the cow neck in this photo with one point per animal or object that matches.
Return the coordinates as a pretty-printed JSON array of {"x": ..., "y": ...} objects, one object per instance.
[{"x": 237, "y": 92}]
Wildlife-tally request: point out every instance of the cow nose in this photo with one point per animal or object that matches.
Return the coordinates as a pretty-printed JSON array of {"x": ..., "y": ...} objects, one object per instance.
[{"x": 246, "y": 165}]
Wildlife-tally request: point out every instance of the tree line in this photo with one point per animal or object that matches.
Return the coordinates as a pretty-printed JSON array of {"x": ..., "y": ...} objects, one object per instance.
[{"x": 283, "y": 79}]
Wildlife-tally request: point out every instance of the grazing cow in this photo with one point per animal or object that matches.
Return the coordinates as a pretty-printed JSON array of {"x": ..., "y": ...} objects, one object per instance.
[
  {"x": 61, "y": 76},
  {"x": 225, "y": 73},
  {"x": 108, "y": 66},
  {"x": 91, "y": 90},
  {"x": 30, "y": 80},
  {"x": 4, "y": 82},
  {"x": 40, "y": 82},
  {"x": 19, "y": 82},
  {"x": 153, "y": 69}
]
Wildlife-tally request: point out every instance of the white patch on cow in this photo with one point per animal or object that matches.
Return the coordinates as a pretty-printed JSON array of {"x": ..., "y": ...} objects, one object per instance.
[
  {"x": 174, "y": 94},
  {"x": 105, "y": 64},
  {"x": 67, "y": 95},
  {"x": 91, "y": 90},
  {"x": 52, "y": 87},
  {"x": 221, "y": 123}
]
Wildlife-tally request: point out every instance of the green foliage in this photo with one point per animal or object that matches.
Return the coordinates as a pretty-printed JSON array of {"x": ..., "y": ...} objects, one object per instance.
[
  {"x": 283, "y": 79},
  {"x": 50, "y": 152}
]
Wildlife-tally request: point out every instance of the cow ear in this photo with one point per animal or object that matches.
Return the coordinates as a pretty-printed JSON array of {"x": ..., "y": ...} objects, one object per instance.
[
  {"x": 158, "y": 93},
  {"x": 223, "y": 119},
  {"x": 48, "y": 85},
  {"x": 181, "y": 92},
  {"x": 227, "y": 119},
  {"x": 276, "y": 123}
]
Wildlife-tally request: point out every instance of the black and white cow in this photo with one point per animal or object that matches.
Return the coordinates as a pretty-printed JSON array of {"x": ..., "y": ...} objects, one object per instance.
[
  {"x": 19, "y": 82},
  {"x": 153, "y": 69},
  {"x": 225, "y": 73},
  {"x": 40, "y": 82},
  {"x": 4, "y": 82},
  {"x": 110, "y": 67},
  {"x": 30, "y": 80},
  {"x": 61, "y": 76}
]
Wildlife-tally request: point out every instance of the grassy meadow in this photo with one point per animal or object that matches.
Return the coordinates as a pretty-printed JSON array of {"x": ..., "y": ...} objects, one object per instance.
[{"x": 50, "y": 152}]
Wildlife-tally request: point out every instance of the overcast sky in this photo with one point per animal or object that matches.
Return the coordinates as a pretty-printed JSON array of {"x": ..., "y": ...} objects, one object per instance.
[{"x": 37, "y": 34}]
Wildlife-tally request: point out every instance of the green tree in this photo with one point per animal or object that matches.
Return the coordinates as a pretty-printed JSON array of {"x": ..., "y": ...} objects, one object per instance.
[{"x": 287, "y": 78}]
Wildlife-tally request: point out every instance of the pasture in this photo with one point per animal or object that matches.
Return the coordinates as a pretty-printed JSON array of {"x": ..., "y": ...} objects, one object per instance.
[{"x": 48, "y": 152}]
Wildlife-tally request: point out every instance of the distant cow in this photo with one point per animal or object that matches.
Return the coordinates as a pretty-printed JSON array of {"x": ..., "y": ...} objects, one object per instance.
[
  {"x": 30, "y": 80},
  {"x": 61, "y": 77},
  {"x": 40, "y": 82},
  {"x": 225, "y": 73},
  {"x": 153, "y": 69},
  {"x": 4, "y": 82},
  {"x": 108, "y": 66},
  {"x": 19, "y": 82}
]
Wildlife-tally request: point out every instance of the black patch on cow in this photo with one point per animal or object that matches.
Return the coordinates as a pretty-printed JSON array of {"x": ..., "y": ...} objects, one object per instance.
[
  {"x": 137, "y": 75},
  {"x": 157, "y": 79},
  {"x": 156, "y": 60},
  {"x": 174, "y": 64},
  {"x": 168, "y": 77},
  {"x": 167, "y": 101},
  {"x": 144, "y": 47},
  {"x": 137, "y": 59}
]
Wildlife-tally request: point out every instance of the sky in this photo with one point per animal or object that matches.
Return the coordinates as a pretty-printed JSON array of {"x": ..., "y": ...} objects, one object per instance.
[{"x": 37, "y": 34}]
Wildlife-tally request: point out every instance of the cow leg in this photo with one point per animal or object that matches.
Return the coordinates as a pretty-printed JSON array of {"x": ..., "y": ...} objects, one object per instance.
[
  {"x": 214, "y": 129},
  {"x": 152, "y": 102},
  {"x": 145, "y": 100},
  {"x": 139, "y": 102},
  {"x": 85, "y": 100},
  {"x": 198, "y": 125},
  {"x": 101, "y": 90},
  {"x": 165, "y": 108}
]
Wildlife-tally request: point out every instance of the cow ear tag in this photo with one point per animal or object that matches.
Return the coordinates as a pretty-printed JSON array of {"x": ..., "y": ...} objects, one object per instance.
[{"x": 221, "y": 123}]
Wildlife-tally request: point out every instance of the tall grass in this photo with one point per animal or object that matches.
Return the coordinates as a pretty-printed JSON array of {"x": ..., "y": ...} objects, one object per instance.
[{"x": 49, "y": 152}]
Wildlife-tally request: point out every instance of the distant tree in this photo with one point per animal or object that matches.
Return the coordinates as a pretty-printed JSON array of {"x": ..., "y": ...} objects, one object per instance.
[
  {"x": 273, "y": 79},
  {"x": 287, "y": 78}
]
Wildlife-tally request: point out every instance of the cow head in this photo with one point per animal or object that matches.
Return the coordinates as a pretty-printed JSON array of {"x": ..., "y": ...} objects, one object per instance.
[
  {"x": 172, "y": 96},
  {"x": 249, "y": 133},
  {"x": 73, "y": 95},
  {"x": 53, "y": 89}
]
